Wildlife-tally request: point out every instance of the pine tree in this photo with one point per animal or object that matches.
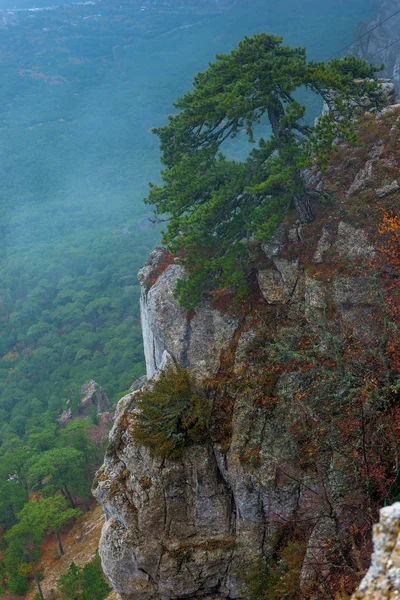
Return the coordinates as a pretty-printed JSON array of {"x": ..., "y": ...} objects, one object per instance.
[
  {"x": 172, "y": 414},
  {"x": 215, "y": 205}
]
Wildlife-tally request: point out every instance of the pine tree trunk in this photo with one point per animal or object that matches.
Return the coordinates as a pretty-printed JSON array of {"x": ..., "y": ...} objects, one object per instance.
[
  {"x": 70, "y": 499},
  {"x": 60, "y": 546},
  {"x": 36, "y": 576},
  {"x": 303, "y": 209}
]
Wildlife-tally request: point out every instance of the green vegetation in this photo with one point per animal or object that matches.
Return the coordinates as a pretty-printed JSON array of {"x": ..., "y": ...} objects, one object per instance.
[
  {"x": 40, "y": 487},
  {"x": 173, "y": 414},
  {"x": 66, "y": 322},
  {"x": 82, "y": 90},
  {"x": 84, "y": 583},
  {"x": 217, "y": 206},
  {"x": 278, "y": 578},
  {"x": 37, "y": 518}
]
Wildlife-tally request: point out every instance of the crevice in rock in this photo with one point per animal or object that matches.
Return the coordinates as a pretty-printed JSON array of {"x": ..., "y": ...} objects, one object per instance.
[{"x": 184, "y": 362}]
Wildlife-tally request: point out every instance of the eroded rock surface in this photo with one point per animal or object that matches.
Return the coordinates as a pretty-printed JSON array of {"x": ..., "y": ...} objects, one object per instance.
[
  {"x": 186, "y": 529},
  {"x": 194, "y": 341},
  {"x": 382, "y": 581},
  {"x": 94, "y": 397},
  {"x": 193, "y": 527}
]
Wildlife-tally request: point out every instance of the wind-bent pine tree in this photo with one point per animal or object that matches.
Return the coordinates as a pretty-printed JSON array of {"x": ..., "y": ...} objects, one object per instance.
[{"x": 214, "y": 205}]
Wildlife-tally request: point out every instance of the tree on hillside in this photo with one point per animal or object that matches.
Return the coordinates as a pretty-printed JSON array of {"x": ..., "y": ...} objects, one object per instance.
[
  {"x": 12, "y": 498},
  {"x": 216, "y": 205},
  {"x": 60, "y": 470},
  {"x": 37, "y": 518},
  {"x": 14, "y": 460},
  {"x": 84, "y": 583},
  {"x": 24, "y": 540},
  {"x": 51, "y": 514}
]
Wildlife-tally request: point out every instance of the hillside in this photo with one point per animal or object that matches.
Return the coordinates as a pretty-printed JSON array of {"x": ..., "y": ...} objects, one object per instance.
[
  {"x": 303, "y": 387},
  {"x": 74, "y": 230},
  {"x": 84, "y": 86}
]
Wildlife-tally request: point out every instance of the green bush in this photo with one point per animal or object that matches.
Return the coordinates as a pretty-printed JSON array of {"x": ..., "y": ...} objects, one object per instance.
[
  {"x": 277, "y": 578},
  {"x": 173, "y": 414},
  {"x": 84, "y": 583},
  {"x": 18, "y": 583}
]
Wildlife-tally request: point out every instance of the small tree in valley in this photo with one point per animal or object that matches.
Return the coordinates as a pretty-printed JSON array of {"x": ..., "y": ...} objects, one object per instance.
[{"x": 84, "y": 583}]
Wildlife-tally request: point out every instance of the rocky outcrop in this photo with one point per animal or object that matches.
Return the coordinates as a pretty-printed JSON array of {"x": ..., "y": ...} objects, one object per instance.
[
  {"x": 92, "y": 398},
  {"x": 194, "y": 341},
  {"x": 382, "y": 581},
  {"x": 193, "y": 527}
]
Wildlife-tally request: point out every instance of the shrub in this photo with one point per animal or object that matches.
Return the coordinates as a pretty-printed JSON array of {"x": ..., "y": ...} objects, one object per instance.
[
  {"x": 277, "y": 578},
  {"x": 173, "y": 414},
  {"x": 18, "y": 583},
  {"x": 84, "y": 583}
]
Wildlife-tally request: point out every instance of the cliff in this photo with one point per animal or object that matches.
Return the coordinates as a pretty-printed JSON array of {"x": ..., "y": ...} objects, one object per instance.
[
  {"x": 381, "y": 45},
  {"x": 302, "y": 444}
]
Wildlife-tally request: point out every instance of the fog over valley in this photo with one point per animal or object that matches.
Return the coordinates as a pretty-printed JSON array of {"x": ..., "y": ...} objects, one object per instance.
[{"x": 82, "y": 87}]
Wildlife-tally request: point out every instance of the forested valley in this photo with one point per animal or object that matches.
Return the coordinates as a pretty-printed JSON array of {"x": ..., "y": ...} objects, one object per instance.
[{"x": 82, "y": 87}]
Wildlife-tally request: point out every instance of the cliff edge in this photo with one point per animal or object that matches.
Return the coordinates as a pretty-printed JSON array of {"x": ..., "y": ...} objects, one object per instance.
[{"x": 299, "y": 453}]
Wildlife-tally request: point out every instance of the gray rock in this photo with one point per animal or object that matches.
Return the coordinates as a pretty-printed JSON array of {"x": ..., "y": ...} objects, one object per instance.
[
  {"x": 273, "y": 247},
  {"x": 194, "y": 340},
  {"x": 363, "y": 178},
  {"x": 193, "y": 527},
  {"x": 280, "y": 285},
  {"x": 352, "y": 243},
  {"x": 382, "y": 580},
  {"x": 136, "y": 385},
  {"x": 316, "y": 563},
  {"x": 315, "y": 299},
  {"x": 386, "y": 190},
  {"x": 389, "y": 109},
  {"x": 325, "y": 243},
  {"x": 94, "y": 397},
  {"x": 158, "y": 308}
]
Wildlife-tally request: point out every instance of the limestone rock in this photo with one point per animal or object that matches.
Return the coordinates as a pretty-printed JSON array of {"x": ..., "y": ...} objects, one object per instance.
[
  {"x": 317, "y": 559},
  {"x": 159, "y": 308},
  {"x": 325, "y": 243},
  {"x": 352, "y": 243},
  {"x": 94, "y": 397},
  {"x": 191, "y": 528},
  {"x": 315, "y": 299},
  {"x": 192, "y": 340},
  {"x": 386, "y": 190},
  {"x": 273, "y": 247},
  {"x": 169, "y": 528},
  {"x": 382, "y": 581},
  {"x": 362, "y": 178},
  {"x": 279, "y": 285}
]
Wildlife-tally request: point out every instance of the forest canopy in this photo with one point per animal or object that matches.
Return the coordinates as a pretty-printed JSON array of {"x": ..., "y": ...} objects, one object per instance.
[{"x": 215, "y": 205}]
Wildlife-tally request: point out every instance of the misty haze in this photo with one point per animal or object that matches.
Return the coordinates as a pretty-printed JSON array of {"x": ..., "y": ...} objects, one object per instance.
[{"x": 83, "y": 84}]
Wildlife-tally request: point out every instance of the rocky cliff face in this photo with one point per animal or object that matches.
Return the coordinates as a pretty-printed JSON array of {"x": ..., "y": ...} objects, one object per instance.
[
  {"x": 194, "y": 527},
  {"x": 381, "y": 45}
]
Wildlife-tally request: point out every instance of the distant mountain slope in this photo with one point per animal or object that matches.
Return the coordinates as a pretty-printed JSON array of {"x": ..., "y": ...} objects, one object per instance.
[{"x": 382, "y": 45}]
